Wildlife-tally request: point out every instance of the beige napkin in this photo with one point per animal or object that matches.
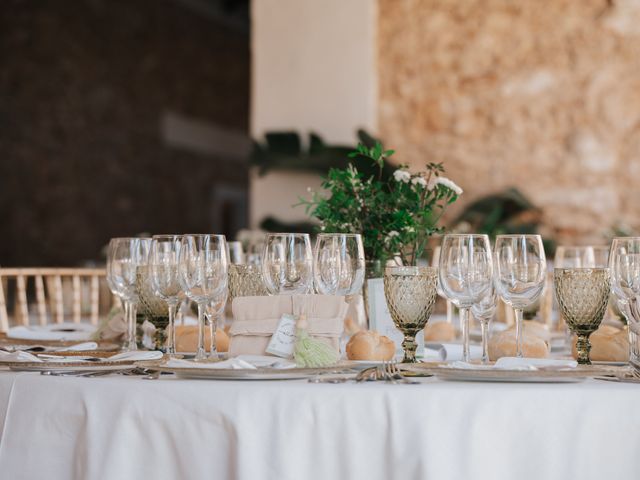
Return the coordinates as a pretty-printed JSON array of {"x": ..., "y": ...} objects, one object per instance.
[{"x": 256, "y": 318}]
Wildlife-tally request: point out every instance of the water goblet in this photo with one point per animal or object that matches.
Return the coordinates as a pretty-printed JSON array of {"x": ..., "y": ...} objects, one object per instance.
[
  {"x": 520, "y": 274},
  {"x": 338, "y": 267},
  {"x": 287, "y": 263},
  {"x": 583, "y": 295},
  {"x": 411, "y": 294},
  {"x": 202, "y": 268},
  {"x": 124, "y": 257},
  {"x": 483, "y": 310},
  {"x": 624, "y": 265},
  {"x": 466, "y": 275},
  {"x": 165, "y": 283}
]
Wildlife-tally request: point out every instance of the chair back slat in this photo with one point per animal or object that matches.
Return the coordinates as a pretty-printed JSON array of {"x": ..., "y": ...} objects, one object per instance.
[
  {"x": 58, "y": 305},
  {"x": 56, "y": 294},
  {"x": 94, "y": 299},
  {"x": 22, "y": 309},
  {"x": 77, "y": 298},
  {"x": 41, "y": 302},
  {"x": 4, "y": 316}
]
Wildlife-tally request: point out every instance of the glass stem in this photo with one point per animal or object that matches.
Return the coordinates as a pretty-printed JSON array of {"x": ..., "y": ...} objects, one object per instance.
[
  {"x": 171, "y": 329},
  {"x": 519, "y": 332},
  {"x": 464, "y": 322},
  {"x": 213, "y": 326},
  {"x": 583, "y": 346},
  {"x": 484, "y": 325},
  {"x": 409, "y": 347},
  {"x": 131, "y": 344},
  {"x": 201, "y": 354},
  {"x": 449, "y": 312}
]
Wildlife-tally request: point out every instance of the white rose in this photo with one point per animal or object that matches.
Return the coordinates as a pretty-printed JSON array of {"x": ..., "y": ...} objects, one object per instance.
[
  {"x": 444, "y": 181},
  {"x": 402, "y": 176}
]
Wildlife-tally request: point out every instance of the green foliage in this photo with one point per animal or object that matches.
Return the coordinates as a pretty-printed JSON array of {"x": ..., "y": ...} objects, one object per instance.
[{"x": 395, "y": 214}]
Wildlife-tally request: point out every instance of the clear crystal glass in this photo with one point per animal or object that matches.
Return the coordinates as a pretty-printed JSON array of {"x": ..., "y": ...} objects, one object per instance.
[
  {"x": 624, "y": 263},
  {"x": 411, "y": 294},
  {"x": 203, "y": 274},
  {"x": 246, "y": 281},
  {"x": 583, "y": 295},
  {"x": 465, "y": 275},
  {"x": 339, "y": 266},
  {"x": 483, "y": 310},
  {"x": 520, "y": 274},
  {"x": 287, "y": 263},
  {"x": 124, "y": 257},
  {"x": 164, "y": 281}
]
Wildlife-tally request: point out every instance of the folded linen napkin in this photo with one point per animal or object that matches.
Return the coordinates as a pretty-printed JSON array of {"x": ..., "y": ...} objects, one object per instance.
[
  {"x": 59, "y": 331},
  {"x": 449, "y": 352},
  {"x": 18, "y": 356},
  {"x": 255, "y": 319},
  {"x": 515, "y": 363},
  {"x": 78, "y": 347},
  {"x": 241, "y": 362}
]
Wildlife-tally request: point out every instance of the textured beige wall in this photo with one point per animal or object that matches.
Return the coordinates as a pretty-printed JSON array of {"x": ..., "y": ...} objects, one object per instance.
[{"x": 542, "y": 95}]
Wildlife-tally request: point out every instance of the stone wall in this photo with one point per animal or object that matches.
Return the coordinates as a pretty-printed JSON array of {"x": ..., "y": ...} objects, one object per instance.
[
  {"x": 541, "y": 95},
  {"x": 84, "y": 88}
]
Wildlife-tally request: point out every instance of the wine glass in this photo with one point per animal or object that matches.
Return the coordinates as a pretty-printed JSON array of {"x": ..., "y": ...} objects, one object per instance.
[
  {"x": 124, "y": 257},
  {"x": 583, "y": 295},
  {"x": 624, "y": 264},
  {"x": 483, "y": 310},
  {"x": 163, "y": 276},
  {"x": 411, "y": 294},
  {"x": 435, "y": 262},
  {"x": 213, "y": 312},
  {"x": 202, "y": 267},
  {"x": 465, "y": 274},
  {"x": 338, "y": 264},
  {"x": 236, "y": 253},
  {"x": 287, "y": 263},
  {"x": 521, "y": 271}
]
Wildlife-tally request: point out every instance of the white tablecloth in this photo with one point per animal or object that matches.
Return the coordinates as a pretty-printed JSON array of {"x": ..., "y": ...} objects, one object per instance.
[{"x": 129, "y": 428}]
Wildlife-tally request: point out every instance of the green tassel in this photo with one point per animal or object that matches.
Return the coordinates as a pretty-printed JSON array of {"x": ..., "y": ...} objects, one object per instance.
[{"x": 311, "y": 353}]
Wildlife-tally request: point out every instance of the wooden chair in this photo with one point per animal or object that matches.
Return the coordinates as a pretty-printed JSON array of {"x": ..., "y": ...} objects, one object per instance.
[{"x": 53, "y": 292}]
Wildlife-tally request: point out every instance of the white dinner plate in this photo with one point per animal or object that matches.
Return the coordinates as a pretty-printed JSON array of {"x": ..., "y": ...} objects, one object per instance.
[
  {"x": 509, "y": 376},
  {"x": 238, "y": 374}
]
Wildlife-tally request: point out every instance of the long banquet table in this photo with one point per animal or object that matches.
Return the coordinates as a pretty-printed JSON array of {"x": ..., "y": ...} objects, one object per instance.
[{"x": 120, "y": 427}]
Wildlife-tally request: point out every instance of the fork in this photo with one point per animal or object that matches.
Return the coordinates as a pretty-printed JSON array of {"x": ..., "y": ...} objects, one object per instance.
[{"x": 393, "y": 374}]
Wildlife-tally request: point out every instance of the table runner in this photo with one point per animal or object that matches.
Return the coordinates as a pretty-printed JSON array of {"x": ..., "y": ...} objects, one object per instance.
[{"x": 124, "y": 428}]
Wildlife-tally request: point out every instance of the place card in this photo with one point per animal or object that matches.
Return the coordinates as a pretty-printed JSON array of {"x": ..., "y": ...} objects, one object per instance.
[
  {"x": 284, "y": 338},
  {"x": 380, "y": 319}
]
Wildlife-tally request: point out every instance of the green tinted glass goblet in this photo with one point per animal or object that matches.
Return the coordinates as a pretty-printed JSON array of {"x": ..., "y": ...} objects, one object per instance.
[
  {"x": 583, "y": 295},
  {"x": 411, "y": 294}
]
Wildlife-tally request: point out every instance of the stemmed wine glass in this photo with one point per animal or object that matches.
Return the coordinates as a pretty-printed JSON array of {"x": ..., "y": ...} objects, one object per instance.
[
  {"x": 521, "y": 271},
  {"x": 124, "y": 257},
  {"x": 624, "y": 265},
  {"x": 483, "y": 310},
  {"x": 435, "y": 262},
  {"x": 202, "y": 267},
  {"x": 466, "y": 275},
  {"x": 287, "y": 263},
  {"x": 583, "y": 294},
  {"x": 338, "y": 267},
  {"x": 163, "y": 276}
]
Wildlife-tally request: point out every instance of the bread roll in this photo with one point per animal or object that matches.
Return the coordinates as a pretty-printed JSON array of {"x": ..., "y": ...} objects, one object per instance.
[
  {"x": 440, "y": 332},
  {"x": 503, "y": 344},
  {"x": 370, "y": 345},
  {"x": 608, "y": 344},
  {"x": 187, "y": 339},
  {"x": 536, "y": 329}
]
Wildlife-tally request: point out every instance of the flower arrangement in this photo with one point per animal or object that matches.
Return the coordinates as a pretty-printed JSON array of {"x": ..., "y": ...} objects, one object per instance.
[{"x": 395, "y": 215}]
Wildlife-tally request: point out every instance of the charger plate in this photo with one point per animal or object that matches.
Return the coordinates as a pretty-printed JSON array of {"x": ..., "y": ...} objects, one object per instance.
[
  {"x": 78, "y": 365},
  {"x": 253, "y": 374}
]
